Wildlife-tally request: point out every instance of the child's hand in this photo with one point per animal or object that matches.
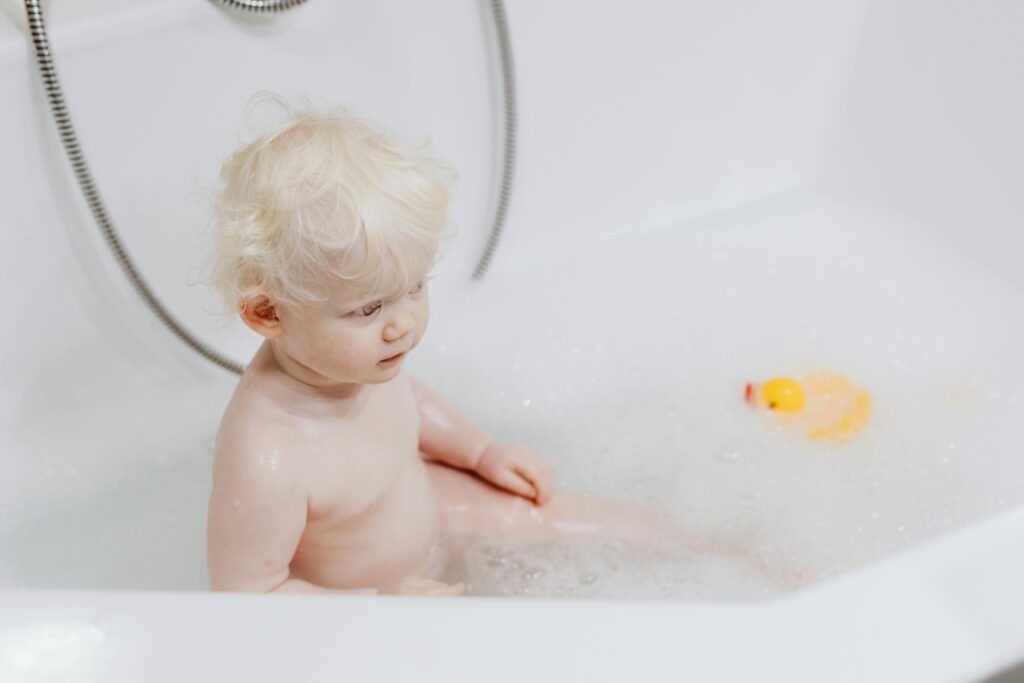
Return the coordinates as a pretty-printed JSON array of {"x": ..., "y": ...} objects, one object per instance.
[
  {"x": 518, "y": 469},
  {"x": 414, "y": 585}
]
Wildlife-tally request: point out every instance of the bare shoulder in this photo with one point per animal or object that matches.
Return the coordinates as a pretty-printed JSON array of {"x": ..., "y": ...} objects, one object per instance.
[{"x": 255, "y": 441}]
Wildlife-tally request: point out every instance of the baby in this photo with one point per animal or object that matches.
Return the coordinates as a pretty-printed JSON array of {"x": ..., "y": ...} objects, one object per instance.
[{"x": 335, "y": 471}]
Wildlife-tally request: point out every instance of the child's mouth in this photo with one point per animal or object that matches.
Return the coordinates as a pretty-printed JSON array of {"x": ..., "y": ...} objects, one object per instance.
[{"x": 394, "y": 358}]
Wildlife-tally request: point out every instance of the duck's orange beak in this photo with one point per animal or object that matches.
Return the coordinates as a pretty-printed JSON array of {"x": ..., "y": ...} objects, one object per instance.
[{"x": 751, "y": 395}]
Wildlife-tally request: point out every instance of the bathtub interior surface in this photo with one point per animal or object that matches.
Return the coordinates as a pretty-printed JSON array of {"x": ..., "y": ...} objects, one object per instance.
[
  {"x": 112, "y": 488},
  {"x": 878, "y": 138},
  {"x": 624, "y": 363},
  {"x": 881, "y": 127}
]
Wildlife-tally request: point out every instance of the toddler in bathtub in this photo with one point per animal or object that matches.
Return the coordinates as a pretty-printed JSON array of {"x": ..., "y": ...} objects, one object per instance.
[{"x": 336, "y": 471}]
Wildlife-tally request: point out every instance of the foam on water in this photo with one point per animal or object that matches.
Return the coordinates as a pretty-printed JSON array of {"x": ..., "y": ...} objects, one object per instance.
[
  {"x": 112, "y": 493},
  {"x": 609, "y": 568},
  {"x": 625, "y": 362}
]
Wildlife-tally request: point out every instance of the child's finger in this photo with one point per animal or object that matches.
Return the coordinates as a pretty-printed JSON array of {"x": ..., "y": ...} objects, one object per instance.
[
  {"x": 430, "y": 587},
  {"x": 549, "y": 482},
  {"x": 531, "y": 478},
  {"x": 543, "y": 481},
  {"x": 544, "y": 487},
  {"x": 445, "y": 589},
  {"x": 538, "y": 481},
  {"x": 515, "y": 483}
]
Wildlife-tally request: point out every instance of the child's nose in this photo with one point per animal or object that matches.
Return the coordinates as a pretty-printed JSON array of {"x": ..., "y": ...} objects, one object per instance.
[{"x": 399, "y": 326}]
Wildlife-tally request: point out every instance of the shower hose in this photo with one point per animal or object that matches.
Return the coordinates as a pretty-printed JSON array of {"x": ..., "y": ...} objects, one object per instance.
[{"x": 55, "y": 97}]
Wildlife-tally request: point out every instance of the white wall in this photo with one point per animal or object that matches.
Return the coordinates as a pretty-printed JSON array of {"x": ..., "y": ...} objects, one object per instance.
[
  {"x": 930, "y": 125},
  {"x": 156, "y": 93},
  {"x": 641, "y": 115},
  {"x": 629, "y": 120}
]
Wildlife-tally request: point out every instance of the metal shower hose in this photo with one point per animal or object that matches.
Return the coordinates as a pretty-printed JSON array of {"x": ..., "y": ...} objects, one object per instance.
[{"x": 55, "y": 96}]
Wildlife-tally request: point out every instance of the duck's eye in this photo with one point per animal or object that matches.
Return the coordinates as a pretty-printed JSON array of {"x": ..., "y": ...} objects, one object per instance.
[{"x": 784, "y": 395}]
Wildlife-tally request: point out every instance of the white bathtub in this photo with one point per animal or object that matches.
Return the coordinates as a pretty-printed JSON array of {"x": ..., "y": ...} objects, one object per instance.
[{"x": 631, "y": 121}]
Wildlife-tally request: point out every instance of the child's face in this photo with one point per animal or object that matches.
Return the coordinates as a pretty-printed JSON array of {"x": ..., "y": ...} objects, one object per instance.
[{"x": 353, "y": 336}]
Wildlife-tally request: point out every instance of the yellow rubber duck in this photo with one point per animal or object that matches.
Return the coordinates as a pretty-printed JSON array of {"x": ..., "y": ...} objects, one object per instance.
[{"x": 823, "y": 405}]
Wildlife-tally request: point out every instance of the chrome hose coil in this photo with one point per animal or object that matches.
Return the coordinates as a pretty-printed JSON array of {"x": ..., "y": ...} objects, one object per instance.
[
  {"x": 62, "y": 119},
  {"x": 508, "y": 164},
  {"x": 262, "y": 5},
  {"x": 55, "y": 96}
]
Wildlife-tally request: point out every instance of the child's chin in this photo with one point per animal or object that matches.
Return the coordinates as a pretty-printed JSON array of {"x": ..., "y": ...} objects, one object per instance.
[{"x": 385, "y": 373}]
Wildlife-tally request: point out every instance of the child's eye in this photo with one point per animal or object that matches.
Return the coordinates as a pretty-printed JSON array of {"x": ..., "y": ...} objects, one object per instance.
[
  {"x": 417, "y": 287},
  {"x": 366, "y": 311}
]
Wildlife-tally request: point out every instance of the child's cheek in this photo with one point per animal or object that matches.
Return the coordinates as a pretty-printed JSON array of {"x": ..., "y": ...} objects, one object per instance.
[
  {"x": 423, "y": 317},
  {"x": 343, "y": 353}
]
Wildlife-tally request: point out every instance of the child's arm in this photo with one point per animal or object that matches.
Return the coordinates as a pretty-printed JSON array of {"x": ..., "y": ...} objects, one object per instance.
[
  {"x": 256, "y": 518},
  {"x": 449, "y": 437}
]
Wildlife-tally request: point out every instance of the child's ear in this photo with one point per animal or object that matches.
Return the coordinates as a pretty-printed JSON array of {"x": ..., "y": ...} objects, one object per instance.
[{"x": 261, "y": 316}]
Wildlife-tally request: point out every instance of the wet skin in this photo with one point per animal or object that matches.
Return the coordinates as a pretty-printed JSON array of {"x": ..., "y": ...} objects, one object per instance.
[{"x": 319, "y": 478}]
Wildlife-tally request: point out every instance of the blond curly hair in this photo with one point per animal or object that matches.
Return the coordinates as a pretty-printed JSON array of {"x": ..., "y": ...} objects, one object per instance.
[{"x": 324, "y": 196}]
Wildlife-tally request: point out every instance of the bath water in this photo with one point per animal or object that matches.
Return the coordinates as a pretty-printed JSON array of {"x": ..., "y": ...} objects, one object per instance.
[{"x": 625, "y": 361}]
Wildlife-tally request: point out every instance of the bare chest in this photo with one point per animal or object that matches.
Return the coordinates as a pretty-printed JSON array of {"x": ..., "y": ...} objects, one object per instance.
[{"x": 354, "y": 464}]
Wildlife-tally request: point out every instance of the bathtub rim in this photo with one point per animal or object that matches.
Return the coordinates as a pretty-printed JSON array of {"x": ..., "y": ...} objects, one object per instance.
[{"x": 942, "y": 610}]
